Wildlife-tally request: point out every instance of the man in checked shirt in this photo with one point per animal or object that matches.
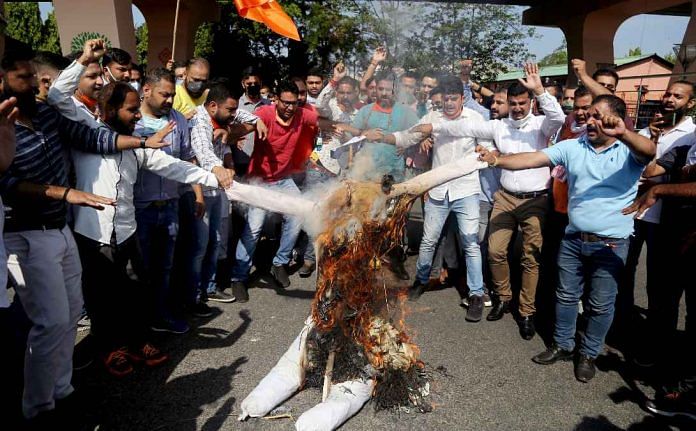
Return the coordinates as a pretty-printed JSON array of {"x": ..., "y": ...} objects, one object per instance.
[{"x": 218, "y": 112}]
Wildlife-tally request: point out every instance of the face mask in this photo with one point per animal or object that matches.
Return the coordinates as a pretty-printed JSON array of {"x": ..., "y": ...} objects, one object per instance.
[
  {"x": 106, "y": 78},
  {"x": 253, "y": 90},
  {"x": 152, "y": 124},
  {"x": 179, "y": 81},
  {"x": 577, "y": 129},
  {"x": 518, "y": 124},
  {"x": 135, "y": 85},
  {"x": 567, "y": 107},
  {"x": 195, "y": 87}
]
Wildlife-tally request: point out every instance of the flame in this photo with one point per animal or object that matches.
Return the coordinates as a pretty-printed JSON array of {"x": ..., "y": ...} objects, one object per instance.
[{"x": 364, "y": 224}]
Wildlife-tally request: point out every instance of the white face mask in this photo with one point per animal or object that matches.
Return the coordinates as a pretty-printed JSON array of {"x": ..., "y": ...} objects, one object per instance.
[
  {"x": 518, "y": 124},
  {"x": 179, "y": 81},
  {"x": 111, "y": 75},
  {"x": 153, "y": 125},
  {"x": 135, "y": 85}
]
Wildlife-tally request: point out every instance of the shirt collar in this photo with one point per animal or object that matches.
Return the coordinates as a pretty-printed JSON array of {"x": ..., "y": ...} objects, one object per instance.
[
  {"x": 585, "y": 141},
  {"x": 377, "y": 107}
]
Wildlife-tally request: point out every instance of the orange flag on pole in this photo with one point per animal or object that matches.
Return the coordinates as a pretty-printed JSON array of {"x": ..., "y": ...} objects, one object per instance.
[{"x": 270, "y": 13}]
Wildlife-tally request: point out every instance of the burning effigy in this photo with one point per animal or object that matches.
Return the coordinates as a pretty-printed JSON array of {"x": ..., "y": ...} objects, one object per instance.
[{"x": 354, "y": 345}]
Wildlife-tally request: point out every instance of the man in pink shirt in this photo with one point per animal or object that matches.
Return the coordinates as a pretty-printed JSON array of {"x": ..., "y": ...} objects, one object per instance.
[{"x": 285, "y": 150}]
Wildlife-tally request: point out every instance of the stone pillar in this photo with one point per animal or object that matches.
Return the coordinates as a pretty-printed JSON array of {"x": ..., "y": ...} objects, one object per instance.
[
  {"x": 112, "y": 18},
  {"x": 591, "y": 38},
  {"x": 159, "y": 15}
]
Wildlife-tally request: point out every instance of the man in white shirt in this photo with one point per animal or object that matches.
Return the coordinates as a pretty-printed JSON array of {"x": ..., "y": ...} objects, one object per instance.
[
  {"x": 671, "y": 128},
  {"x": 106, "y": 239},
  {"x": 460, "y": 196},
  {"x": 522, "y": 200}
]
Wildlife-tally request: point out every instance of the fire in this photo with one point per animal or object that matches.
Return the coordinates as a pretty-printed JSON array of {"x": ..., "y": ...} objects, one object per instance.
[{"x": 352, "y": 294}]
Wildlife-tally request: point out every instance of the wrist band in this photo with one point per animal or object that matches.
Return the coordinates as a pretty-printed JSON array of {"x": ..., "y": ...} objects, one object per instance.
[
  {"x": 143, "y": 139},
  {"x": 65, "y": 194}
]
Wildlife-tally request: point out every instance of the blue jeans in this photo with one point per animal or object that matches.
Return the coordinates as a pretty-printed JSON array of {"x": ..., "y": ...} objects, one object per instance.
[
  {"x": 158, "y": 226},
  {"x": 250, "y": 235},
  {"x": 207, "y": 238},
  {"x": 466, "y": 211},
  {"x": 602, "y": 263}
]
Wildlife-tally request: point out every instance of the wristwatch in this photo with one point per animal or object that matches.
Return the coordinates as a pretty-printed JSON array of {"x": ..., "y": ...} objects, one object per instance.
[{"x": 143, "y": 139}]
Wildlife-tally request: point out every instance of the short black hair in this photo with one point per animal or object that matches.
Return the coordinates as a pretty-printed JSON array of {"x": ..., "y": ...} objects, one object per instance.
[
  {"x": 251, "y": 71},
  {"x": 178, "y": 64},
  {"x": 12, "y": 58},
  {"x": 51, "y": 59},
  {"x": 408, "y": 74},
  {"x": 287, "y": 86},
  {"x": 431, "y": 74},
  {"x": 437, "y": 90},
  {"x": 517, "y": 89},
  {"x": 689, "y": 84},
  {"x": 116, "y": 55},
  {"x": 500, "y": 90},
  {"x": 158, "y": 74},
  {"x": 347, "y": 80},
  {"x": 136, "y": 66},
  {"x": 369, "y": 81},
  {"x": 197, "y": 61},
  {"x": 219, "y": 91},
  {"x": 113, "y": 95},
  {"x": 385, "y": 76},
  {"x": 605, "y": 71},
  {"x": 581, "y": 91},
  {"x": 451, "y": 84},
  {"x": 315, "y": 71},
  {"x": 615, "y": 103}
]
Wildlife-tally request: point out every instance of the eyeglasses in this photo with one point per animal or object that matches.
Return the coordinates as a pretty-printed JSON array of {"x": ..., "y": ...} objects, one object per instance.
[{"x": 287, "y": 103}]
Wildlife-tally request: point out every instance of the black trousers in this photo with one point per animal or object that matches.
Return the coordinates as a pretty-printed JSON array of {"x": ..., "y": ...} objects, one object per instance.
[{"x": 116, "y": 302}]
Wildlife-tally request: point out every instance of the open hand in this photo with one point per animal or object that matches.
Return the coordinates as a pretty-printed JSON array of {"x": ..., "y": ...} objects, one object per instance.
[
  {"x": 532, "y": 79},
  {"x": 641, "y": 203},
  {"x": 157, "y": 140},
  {"x": 379, "y": 55},
  {"x": 85, "y": 199},
  {"x": 426, "y": 145}
]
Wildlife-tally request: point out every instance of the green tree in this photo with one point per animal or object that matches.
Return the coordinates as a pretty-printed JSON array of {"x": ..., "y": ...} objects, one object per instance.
[
  {"x": 634, "y": 52},
  {"x": 24, "y": 23},
  {"x": 50, "y": 40},
  {"x": 671, "y": 57},
  {"x": 558, "y": 56},
  {"x": 203, "y": 42},
  {"x": 141, "y": 41}
]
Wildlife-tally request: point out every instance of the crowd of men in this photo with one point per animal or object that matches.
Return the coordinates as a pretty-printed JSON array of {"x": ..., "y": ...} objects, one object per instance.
[{"x": 112, "y": 184}]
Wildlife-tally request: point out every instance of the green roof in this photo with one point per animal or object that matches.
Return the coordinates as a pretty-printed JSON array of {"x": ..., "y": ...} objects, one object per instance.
[{"x": 562, "y": 69}]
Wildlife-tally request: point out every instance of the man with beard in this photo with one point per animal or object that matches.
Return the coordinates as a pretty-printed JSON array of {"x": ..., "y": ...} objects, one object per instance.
[
  {"x": 368, "y": 84},
  {"x": 218, "y": 111},
  {"x": 671, "y": 128},
  {"x": 314, "y": 83},
  {"x": 522, "y": 200},
  {"x": 107, "y": 239},
  {"x": 116, "y": 65},
  {"x": 36, "y": 187},
  {"x": 458, "y": 196},
  {"x": 290, "y": 128},
  {"x": 157, "y": 199},
  {"x": 337, "y": 101},
  {"x": 374, "y": 121},
  {"x": 603, "y": 169},
  {"x": 192, "y": 92}
]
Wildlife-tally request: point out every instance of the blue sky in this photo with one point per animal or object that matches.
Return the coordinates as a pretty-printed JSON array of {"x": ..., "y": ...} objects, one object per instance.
[{"x": 652, "y": 33}]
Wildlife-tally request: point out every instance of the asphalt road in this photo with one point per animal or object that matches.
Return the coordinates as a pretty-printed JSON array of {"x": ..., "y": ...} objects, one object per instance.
[{"x": 490, "y": 381}]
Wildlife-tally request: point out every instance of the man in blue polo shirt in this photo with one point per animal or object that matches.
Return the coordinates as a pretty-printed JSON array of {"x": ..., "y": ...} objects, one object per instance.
[{"x": 603, "y": 168}]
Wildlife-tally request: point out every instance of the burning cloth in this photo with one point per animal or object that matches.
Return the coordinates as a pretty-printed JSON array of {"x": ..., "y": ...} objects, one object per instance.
[{"x": 356, "y": 334}]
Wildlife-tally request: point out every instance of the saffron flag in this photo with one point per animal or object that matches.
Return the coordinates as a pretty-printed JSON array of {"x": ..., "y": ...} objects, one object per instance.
[{"x": 270, "y": 13}]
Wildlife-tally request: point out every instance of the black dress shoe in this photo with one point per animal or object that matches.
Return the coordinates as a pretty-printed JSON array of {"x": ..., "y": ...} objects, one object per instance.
[
  {"x": 552, "y": 355},
  {"x": 585, "y": 369},
  {"x": 280, "y": 274},
  {"x": 526, "y": 324},
  {"x": 415, "y": 291},
  {"x": 239, "y": 291},
  {"x": 498, "y": 311}
]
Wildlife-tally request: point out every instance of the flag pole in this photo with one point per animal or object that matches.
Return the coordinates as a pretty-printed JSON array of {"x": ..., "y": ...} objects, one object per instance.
[{"x": 176, "y": 22}]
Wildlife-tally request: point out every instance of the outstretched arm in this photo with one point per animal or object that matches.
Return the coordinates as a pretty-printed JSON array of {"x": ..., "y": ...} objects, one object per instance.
[
  {"x": 580, "y": 69},
  {"x": 514, "y": 162},
  {"x": 379, "y": 56}
]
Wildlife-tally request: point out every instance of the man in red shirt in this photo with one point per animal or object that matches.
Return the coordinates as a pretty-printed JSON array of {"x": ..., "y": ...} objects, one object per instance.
[{"x": 285, "y": 151}]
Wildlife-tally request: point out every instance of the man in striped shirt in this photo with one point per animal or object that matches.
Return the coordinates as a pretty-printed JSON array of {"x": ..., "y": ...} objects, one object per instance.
[{"x": 36, "y": 191}]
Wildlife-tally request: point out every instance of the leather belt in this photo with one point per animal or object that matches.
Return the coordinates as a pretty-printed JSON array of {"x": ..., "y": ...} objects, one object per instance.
[
  {"x": 160, "y": 204},
  {"x": 19, "y": 227},
  {"x": 591, "y": 237},
  {"x": 526, "y": 195}
]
